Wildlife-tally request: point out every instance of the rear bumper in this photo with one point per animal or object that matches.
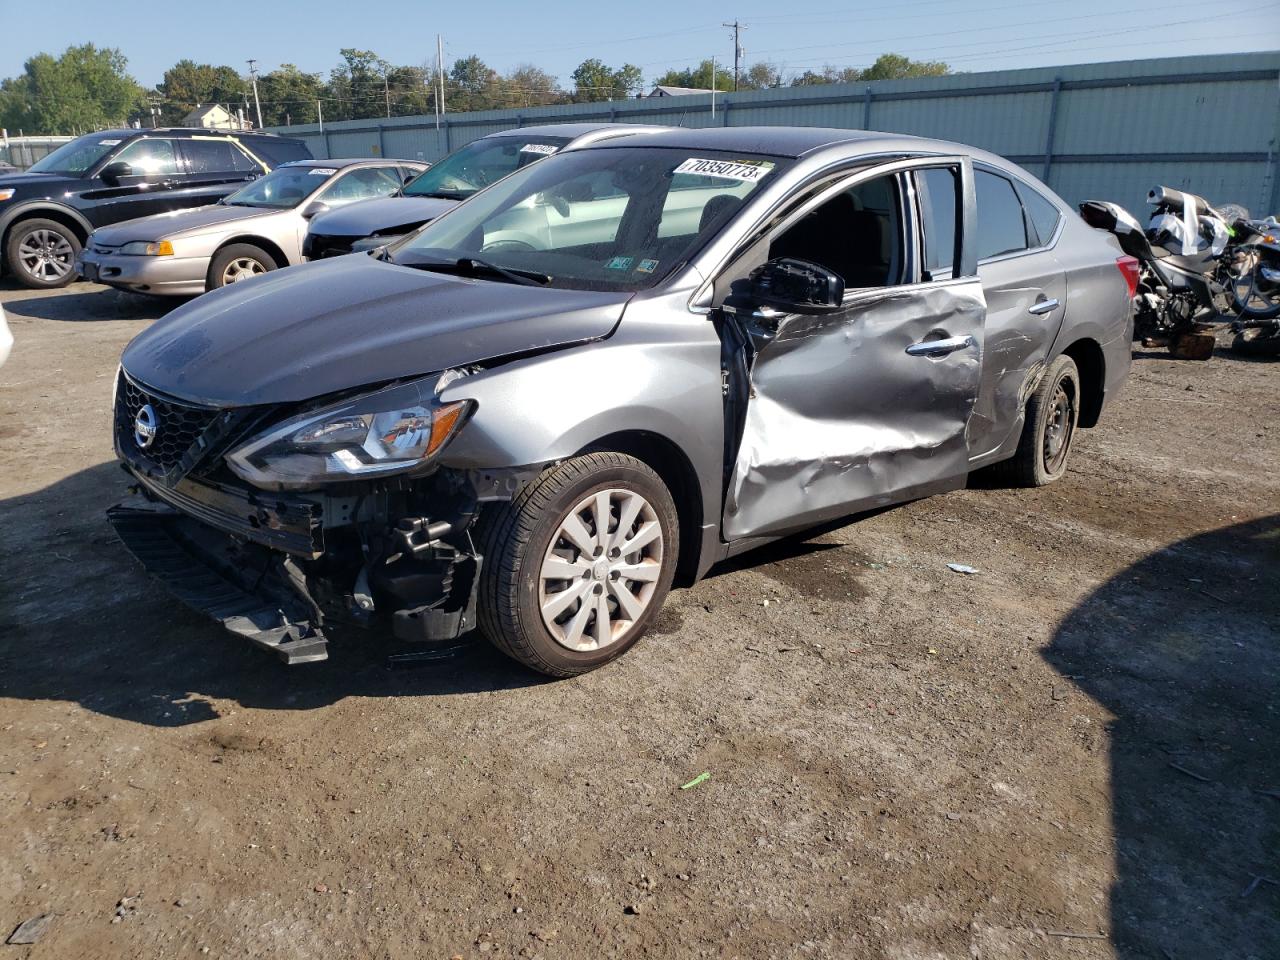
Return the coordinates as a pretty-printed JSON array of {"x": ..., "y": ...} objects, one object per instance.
[
  {"x": 167, "y": 545},
  {"x": 163, "y": 276}
]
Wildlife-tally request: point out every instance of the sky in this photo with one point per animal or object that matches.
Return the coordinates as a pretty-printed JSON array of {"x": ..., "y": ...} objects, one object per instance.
[{"x": 557, "y": 35}]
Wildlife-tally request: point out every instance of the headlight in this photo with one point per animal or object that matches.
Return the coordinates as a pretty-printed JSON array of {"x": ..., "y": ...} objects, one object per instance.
[
  {"x": 6, "y": 193},
  {"x": 141, "y": 248},
  {"x": 396, "y": 430}
]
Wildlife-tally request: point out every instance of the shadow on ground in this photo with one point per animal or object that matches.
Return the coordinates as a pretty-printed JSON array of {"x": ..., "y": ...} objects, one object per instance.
[
  {"x": 1183, "y": 649},
  {"x": 94, "y": 304},
  {"x": 81, "y": 622}
]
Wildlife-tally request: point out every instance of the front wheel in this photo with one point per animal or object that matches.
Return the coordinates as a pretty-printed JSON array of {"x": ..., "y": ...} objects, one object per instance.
[
  {"x": 1053, "y": 412},
  {"x": 578, "y": 565},
  {"x": 1257, "y": 298},
  {"x": 42, "y": 253},
  {"x": 239, "y": 261}
]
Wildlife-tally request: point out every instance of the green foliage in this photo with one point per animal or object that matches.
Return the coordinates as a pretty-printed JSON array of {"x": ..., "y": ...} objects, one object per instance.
[
  {"x": 760, "y": 76},
  {"x": 289, "y": 95},
  {"x": 698, "y": 77},
  {"x": 86, "y": 88},
  {"x": 888, "y": 66},
  {"x": 594, "y": 80},
  {"x": 188, "y": 84}
]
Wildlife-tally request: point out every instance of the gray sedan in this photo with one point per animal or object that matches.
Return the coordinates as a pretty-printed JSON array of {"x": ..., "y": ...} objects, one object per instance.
[
  {"x": 612, "y": 369},
  {"x": 258, "y": 228}
]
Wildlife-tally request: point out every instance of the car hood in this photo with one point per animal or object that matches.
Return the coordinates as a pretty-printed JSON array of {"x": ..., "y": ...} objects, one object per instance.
[
  {"x": 44, "y": 180},
  {"x": 334, "y": 325},
  {"x": 368, "y": 217},
  {"x": 178, "y": 222}
]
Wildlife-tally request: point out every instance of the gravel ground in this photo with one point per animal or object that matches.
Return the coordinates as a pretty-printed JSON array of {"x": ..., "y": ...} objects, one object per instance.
[{"x": 1067, "y": 754}]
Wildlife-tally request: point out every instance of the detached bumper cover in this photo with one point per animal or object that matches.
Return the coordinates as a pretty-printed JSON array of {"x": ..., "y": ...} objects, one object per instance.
[{"x": 153, "y": 534}]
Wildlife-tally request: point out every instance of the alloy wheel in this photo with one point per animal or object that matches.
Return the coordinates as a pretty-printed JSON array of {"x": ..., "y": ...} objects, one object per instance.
[
  {"x": 601, "y": 570},
  {"x": 242, "y": 268},
  {"x": 46, "y": 255}
]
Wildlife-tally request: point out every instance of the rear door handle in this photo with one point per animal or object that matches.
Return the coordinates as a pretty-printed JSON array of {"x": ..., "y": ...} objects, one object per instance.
[
  {"x": 1043, "y": 306},
  {"x": 940, "y": 348}
]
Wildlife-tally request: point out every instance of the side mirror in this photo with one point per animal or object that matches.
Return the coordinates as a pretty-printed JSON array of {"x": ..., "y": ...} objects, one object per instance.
[
  {"x": 797, "y": 286},
  {"x": 314, "y": 209},
  {"x": 113, "y": 172}
]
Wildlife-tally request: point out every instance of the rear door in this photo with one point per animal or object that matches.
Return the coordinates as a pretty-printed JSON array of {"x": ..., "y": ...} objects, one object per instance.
[
  {"x": 855, "y": 409},
  {"x": 1026, "y": 293},
  {"x": 213, "y": 167}
]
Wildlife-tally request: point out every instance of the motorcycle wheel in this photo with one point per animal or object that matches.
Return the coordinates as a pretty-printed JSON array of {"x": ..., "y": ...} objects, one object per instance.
[
  {"x": 1257, "y": 343},
  {"x": 1255, "y": 303}
]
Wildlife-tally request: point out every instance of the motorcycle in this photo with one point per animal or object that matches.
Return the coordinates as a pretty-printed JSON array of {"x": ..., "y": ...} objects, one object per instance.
[
  {"x": 1257, "y": 293},
  {"x": 1187, "y": 268}
]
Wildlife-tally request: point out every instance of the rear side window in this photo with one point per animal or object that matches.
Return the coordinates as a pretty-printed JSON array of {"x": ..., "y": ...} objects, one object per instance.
[
  {"x": 939, "y": 203},
  {"x": 216, "y": 156},
  {"x": 1044, "y": 215},
  {"x": 277, "y": 150},
  {"x": 1001, "y": 228}
]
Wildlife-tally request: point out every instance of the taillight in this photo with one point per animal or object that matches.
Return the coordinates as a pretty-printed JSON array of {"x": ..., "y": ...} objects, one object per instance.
[{"x": 1129, "y": 267}]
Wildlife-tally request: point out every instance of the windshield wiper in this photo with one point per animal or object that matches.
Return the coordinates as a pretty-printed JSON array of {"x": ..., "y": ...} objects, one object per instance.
[
  {"x": 437, "y": 195},
  {"x": 474, "y": 267}
]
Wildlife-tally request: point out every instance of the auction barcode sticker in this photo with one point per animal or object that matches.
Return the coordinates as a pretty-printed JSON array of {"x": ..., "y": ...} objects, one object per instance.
[
  {"x": 746, "y": 171},
  {"x": 545, "y": 149}
]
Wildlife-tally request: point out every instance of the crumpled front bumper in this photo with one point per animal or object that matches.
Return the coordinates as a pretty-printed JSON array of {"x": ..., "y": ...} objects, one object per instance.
[{"x": 168, "y": 545}]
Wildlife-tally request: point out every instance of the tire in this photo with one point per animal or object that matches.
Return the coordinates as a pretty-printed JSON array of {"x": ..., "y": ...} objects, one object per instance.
[
  {"x": 1056, "y": 401},
  {"x": 41, "y": 254},
  {"x": 518, "y": 539},
  {"x": 1263, "y": 307},
  {"x": 239, "y": 261},
  {"x": 1256, "y": 343}
]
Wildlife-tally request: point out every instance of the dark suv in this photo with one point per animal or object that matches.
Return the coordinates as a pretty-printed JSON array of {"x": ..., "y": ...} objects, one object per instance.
[{"x": 47, "y": 212}]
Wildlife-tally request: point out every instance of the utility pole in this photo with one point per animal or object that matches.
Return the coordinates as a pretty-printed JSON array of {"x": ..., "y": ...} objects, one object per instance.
[
  {"x": 253, "y": 78},
  {"x": 440, "y": 65},
  {"x": 320, "y": 116},
  {"x": 737, "y": 51},
  {"x": 713, "y": 87},
  {"x": 386, "y": 89}
]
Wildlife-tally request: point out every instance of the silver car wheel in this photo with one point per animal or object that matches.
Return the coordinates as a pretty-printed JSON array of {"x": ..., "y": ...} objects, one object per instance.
[
  {"x": 600, "y": 570},
  {"x": 241, "y": 268},
  {"x": 46, "y": 255}
]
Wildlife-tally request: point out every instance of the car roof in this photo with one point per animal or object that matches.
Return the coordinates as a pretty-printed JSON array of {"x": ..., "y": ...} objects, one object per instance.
[
  {"x": 573, "y": 130},
  {"x": 344, "y": 162},
  {"x": 792, "y": 142},
  {"x": 181, "y": 132}
]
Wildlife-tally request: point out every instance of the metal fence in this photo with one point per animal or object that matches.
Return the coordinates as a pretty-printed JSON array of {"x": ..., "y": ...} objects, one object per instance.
[
  {"x": 22, "y": 152},
  {"x": 1208, "y": 124}
]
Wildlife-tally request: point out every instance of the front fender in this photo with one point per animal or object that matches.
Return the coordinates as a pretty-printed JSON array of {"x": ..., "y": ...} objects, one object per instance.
[{"x": 35, "y": 208}]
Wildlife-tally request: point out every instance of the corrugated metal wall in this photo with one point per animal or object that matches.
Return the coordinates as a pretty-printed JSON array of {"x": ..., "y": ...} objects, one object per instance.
[{"x": 1109, "y": 131}]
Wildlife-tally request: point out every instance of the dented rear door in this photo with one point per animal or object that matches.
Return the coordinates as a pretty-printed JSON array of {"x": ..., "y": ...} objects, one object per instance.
[{"x": 863, "y": 407}]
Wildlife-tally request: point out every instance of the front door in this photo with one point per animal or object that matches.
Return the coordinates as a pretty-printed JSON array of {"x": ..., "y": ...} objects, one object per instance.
[
  {"x": 146, "y": 188},
  {"x": 869, "y": 405}
]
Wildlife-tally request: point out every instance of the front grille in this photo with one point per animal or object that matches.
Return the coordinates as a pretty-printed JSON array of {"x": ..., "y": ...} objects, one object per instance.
[
  {"x": 322, "y": 246},
  {"x": 183, "y": 432}
]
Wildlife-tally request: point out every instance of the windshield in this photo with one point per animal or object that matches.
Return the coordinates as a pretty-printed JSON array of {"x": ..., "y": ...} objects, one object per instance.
[
  {"x": 616, "y": 218},
  {"x": 481, "y": 163},
  {"x": 282, "y": 188},
  {"x": 77, "y": 156}
]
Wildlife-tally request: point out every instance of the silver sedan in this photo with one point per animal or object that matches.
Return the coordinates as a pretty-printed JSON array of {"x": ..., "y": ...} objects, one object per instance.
[{"x": 258, "y": 228}]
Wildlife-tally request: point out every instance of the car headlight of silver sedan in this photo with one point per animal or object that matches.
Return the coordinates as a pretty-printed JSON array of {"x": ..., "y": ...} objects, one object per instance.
[
  {"x": 396, "y": 430},
  {"x": 144, "y": 248}
]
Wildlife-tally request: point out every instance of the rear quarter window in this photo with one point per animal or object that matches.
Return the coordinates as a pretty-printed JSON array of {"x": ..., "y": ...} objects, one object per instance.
[{"x": 1043, "y": 214}]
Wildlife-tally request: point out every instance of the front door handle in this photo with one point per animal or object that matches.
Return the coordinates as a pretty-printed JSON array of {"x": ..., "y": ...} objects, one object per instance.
[
  {"x": 940, "y": 348},
  {"x": 1043, "y": 306}
]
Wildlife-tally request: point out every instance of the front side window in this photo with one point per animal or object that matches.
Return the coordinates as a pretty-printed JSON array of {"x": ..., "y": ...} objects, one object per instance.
[
  {"x": 481, "y": 163},
  {"x": 612, "y": 218},
  {"x": 1001, "y": 228},
  {"x": 282, "y": 188},
  {"x": 938, "y": 191},
  {"x": 362, "y": 184},
  {"x": 856, "y": 234},
  {"x": 149, "y": 158},
  {"x": 78, "y": 156}
]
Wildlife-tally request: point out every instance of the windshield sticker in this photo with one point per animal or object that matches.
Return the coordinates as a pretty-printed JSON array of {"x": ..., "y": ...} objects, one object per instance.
[
  {"x": 546, "y": 149},
  {"x": 646, "y": 266},
  {"x": 619, "y": 263},
  {"x": 744, "y": 171},
  {"x": 323, "y": 172},
  {"x": 107, "y": 143}
]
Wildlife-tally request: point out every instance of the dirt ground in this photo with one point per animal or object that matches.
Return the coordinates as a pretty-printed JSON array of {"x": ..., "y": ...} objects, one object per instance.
[{"x": 1072, "y": 753}]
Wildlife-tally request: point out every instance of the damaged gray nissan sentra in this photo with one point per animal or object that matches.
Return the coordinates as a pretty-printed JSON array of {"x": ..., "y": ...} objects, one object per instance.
[{"x": 612, "y": 368}]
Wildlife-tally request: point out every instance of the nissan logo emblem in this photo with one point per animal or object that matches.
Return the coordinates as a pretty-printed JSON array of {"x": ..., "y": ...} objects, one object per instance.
[{"x": 144, "y": 427}]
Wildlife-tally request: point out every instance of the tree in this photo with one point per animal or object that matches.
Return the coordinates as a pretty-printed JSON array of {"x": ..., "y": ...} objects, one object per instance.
[
  {"x": 595, "y": 80},
  {"x": 86, "y": 88},
  {"x": 894, "y": 66},
  {"x": 188, "y": 84},
  {"x": 472, "y": 85},
  {"x": 355, "y": 90},
  {"x": 760, "y": 76},
  {"x": 698, "y": 77},
  {"x": 528, "y": 86},
  {"x": 289, "y": 95},
  {"x": 828, "y": 74}
]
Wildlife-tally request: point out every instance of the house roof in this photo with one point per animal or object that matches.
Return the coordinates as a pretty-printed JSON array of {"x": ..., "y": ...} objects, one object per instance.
[{"x": 662, "y": 90}]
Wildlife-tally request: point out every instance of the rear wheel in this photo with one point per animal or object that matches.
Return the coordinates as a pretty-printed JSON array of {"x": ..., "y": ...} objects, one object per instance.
[
  {"x": 1053, "y": 412},
  {"x": 237, "y": 262},
  {"x": 579, "y": 564},
  {"x": 1257, "y": 343},
  {"x": 41, "y": 254}
]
